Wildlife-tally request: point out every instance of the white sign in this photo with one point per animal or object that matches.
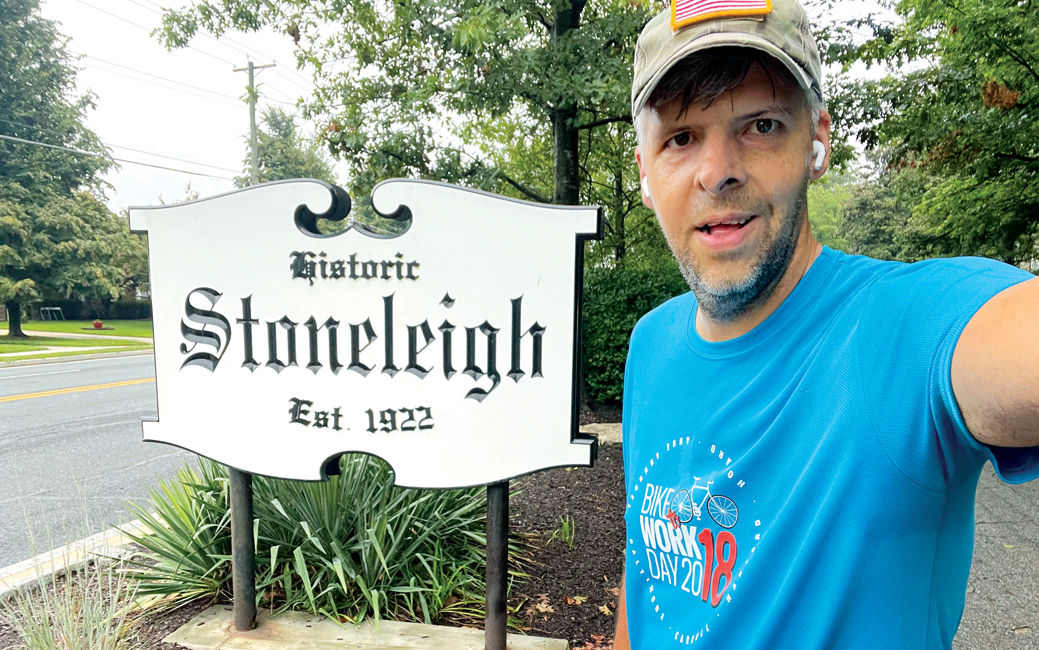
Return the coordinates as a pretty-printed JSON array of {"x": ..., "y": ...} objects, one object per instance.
[{"x": 449, "y": 351}]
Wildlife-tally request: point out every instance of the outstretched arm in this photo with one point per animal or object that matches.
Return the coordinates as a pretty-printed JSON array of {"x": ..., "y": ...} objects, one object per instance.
[
  {"x": 995, "y": 369},
  {"x": 620, "y": 639}
]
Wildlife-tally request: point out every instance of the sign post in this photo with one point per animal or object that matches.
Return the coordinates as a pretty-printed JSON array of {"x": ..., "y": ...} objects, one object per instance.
[
  {"x": 497, "y": 613},
  {"x": 447, "y": 343},
  {"x": 243, "y": 550}
]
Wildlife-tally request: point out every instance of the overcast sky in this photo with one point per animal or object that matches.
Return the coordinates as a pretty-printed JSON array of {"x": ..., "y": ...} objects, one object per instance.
[{"x": 185, "y": 104}]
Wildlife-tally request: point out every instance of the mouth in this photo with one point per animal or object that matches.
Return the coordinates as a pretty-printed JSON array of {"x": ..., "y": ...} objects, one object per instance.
[{"x": 726, "y": 225}]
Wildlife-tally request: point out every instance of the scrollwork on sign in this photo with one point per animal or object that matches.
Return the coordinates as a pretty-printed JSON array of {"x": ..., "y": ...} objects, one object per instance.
[{"x": 306, "y": 219}]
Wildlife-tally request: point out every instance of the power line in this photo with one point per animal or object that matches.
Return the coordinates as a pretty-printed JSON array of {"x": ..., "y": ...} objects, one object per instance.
[
  {"x": 149, "y": 74},
  {"x": 173, "y": 81},
  {"x": 287, "y": 67},
  {"x": 130, "y": 22},
  {"x": 98, "y": 155},
  {"x": 186, "y": 92},
  {"x": 119, "y": 146},
  {"x": 184, "y": 160},
  {"x": 154, "y": 11},
  {"x": 303, "y": 88},
  {"x": 227, "y": 39}
]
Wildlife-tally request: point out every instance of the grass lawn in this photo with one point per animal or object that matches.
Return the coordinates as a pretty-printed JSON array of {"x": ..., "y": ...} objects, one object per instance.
[
  {"x": 8, "y": 347},
  {"x": 119, "y": 327},
  {"x": 36, "y": 342},
  {"x": 73, "y": 353}
]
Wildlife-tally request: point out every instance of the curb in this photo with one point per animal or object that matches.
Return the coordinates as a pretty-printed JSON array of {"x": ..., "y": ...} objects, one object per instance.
[
  {"x": 74, "y": 357},
  {"x": 111, "y": 543}
]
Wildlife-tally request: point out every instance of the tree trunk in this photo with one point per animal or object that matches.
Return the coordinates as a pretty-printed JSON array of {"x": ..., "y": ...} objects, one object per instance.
[
  {"x": 620, "y": 247},
  {"x": 14, "y": 319},
  {"x": 564, "y": 118},
  {"x": 565, "y": 148}
]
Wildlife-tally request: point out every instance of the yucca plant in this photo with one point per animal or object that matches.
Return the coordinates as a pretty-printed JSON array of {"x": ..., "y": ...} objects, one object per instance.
[
  {"x": 188, "y": 545},
  {"x": 350, "y": 548}
]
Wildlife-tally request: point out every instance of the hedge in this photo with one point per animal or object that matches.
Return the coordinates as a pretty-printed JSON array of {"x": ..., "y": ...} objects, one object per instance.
[
  {"x": 130, "y": 310},
  {"x": 614, "y": 300},
  {"x": 73, "y": 309}
]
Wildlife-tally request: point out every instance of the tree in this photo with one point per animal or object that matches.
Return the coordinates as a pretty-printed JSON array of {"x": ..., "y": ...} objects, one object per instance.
[
  {"x": 956, "y": 114},
  {"x": 827, "y": 202},
  {"x": 632, "y": 236},
  {"x": 284, "y": 153},
  {"x": 55, "y": 233},
  {"x": 519, "y": 150},
  {"x": 394, "y": 80},
  {"x": 67, "y": 246}
]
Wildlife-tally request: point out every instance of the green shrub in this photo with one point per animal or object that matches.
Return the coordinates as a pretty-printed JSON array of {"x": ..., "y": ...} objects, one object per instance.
[
  {"x": 614, "y": 300},
  {"x": 350, "y": 548},
  {"x": 130, "y": 310},
  {"x": 189, "y": 547}
]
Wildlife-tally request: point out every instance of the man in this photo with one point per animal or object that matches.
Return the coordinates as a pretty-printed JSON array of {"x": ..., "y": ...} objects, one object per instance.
[{"x": 804, "y": 430}]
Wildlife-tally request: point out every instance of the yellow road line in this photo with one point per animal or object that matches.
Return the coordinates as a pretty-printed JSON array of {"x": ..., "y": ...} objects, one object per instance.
[{"x": 79, "y": 389}]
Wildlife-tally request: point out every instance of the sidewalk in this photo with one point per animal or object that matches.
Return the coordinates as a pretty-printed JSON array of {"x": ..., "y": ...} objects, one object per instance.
[
  {"x": 64, "y": 353},
  {"x": 85, "y": 335},
  {"x": 46, "y": 349}
]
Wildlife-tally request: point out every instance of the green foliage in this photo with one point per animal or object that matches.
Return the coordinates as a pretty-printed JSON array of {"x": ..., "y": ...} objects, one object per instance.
[
  {"x": 350, "y": 548},
  {"x": 85, "y": 610},
  {"x": 614, "y": 300},
  {"x": 66, "y": 246},
  {"x": 57, "y": 238},
  {"x": 565, "y": 532},
  {"x": 189, "y": 546},
  {"x": 37, "y": 103},
  {"x": 827, "y": 199},
  {"x": 955, "y": 115},
  {"x": 632, "y": 234},
  {"x": 393, "y": 78},
  {"x": 283, "y": 152}
]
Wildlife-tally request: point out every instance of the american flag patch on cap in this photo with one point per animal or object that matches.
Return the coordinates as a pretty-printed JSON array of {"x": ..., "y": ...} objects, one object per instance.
[{"x": 687, "y": 12}]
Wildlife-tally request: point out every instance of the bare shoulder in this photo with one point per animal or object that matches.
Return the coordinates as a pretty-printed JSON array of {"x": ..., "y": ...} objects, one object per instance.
[{"x": 995, "y": 368}]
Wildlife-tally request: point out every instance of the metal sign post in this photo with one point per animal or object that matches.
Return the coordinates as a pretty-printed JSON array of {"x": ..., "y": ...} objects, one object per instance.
[
  {"x": 496, "y": 620},
  {"x": 243, "y": 550}
]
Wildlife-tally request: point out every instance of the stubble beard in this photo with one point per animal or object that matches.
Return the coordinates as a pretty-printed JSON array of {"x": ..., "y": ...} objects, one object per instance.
[{"x": 726, "y": 302}]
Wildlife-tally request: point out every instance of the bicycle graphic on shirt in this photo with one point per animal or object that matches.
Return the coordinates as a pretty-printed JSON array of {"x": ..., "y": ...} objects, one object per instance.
[{"x": 683, "y": 508}]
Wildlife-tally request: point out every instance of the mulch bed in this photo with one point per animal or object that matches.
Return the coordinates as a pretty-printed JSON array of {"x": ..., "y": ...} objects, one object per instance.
[{"x": 571, "y": 593}]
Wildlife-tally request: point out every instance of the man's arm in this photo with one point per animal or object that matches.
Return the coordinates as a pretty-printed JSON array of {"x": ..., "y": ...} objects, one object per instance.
[
  {"x": 620, "y": 638},
  {"x": 995, "y": 369}
]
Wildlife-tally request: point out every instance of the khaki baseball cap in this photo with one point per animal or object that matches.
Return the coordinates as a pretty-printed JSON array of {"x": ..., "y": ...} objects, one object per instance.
[{"x": 777, "y": 27}]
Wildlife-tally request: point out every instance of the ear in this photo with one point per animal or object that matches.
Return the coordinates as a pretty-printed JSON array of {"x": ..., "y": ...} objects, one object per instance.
[
  {"x": 643, "y": 180},
  {"x": 822, "y": 135}
]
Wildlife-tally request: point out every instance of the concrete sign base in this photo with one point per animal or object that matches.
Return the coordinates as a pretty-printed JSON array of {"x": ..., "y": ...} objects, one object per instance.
[{"x": 212, "y": 629}]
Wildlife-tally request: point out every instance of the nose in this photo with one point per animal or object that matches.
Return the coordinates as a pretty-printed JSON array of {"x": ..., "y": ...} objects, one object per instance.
[{"x": 721, "y": 167}]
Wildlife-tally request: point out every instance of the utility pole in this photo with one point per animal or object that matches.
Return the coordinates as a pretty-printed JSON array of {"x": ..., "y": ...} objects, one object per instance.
[
  {"x": 243, "y": 549},
  {"x": 254, "y": 154}
]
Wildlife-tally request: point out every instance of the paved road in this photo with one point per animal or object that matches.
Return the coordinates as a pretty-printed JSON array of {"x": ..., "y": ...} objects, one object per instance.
[
  {"x": 1003, "y": 592},
  {"x": 73, "y": 457}
]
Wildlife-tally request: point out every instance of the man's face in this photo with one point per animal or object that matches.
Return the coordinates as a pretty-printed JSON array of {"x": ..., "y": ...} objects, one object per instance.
[{"x": 729, "y": 185}]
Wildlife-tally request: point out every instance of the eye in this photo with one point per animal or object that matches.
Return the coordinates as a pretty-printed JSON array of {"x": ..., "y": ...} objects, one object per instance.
[
  {"x": 765, "y": 126},
  {"x": 681, "y": 139}
]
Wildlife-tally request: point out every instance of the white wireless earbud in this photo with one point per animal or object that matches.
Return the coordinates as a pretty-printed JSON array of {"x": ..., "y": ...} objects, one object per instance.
[
  {"x": 645, "y": 187},
  {"x": 819, "y": 149}
]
